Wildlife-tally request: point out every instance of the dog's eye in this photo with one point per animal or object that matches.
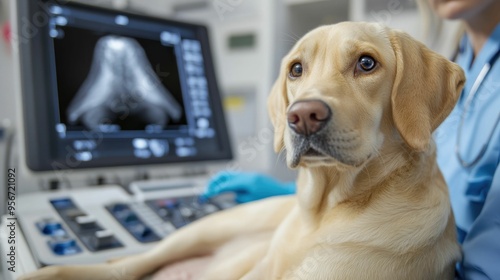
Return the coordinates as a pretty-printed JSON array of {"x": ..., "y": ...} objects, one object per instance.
[
  {"x": 296, "y": 70},
  {"x": 366, "y": 63}
]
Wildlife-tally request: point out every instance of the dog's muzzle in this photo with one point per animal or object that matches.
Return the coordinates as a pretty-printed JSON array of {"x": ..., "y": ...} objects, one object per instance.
[
  {"x": 315, "y": 138},
  {"x": 307, "y": 119}
]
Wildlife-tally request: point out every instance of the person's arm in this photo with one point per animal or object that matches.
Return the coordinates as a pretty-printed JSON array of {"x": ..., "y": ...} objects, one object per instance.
[
  {"x": 247, "y": 186},
  {"x": 481, "y": 247}
]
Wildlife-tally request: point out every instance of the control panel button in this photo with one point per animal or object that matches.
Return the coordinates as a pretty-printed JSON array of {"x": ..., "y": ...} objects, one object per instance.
[
  {"x": 168, "y": 228},
  {"x": 168, "y": 203},
  {"x": 103, "y": 239},
  {"x": 142, "y": 231},
  {"x": 164, "y": 212},
  {"x": 86, "y": 222},
  {"x": 186, "y": 212},
  {"x": 83, "y": 226},
  {"x": 64, "y": 246},
  {"x": 209, "y": 208},
  {"x": 62, "y": 203},
  {"x": 127, "y": 216},
  {"x": 51, "y": 227},
  {"x": 74, "y": 213},
  {"x": 118, "y": 207},
  {"x": 131, "y": 218}
]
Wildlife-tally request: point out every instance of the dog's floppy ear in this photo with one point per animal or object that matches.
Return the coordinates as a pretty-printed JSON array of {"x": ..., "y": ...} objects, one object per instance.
[
  {"x": 277, "y": 103},
  {"x": 425, "y": 89}
]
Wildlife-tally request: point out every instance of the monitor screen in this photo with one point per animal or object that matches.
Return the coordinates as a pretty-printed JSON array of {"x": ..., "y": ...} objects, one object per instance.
[{"x": 106, "y": 88}]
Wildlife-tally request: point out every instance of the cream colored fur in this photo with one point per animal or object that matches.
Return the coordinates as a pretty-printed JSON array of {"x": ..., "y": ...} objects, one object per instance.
[{"x": 386, "y": 216}]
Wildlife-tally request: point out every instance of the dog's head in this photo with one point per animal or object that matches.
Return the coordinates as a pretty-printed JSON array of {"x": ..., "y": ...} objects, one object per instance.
[{"x": 346, "y": 90}]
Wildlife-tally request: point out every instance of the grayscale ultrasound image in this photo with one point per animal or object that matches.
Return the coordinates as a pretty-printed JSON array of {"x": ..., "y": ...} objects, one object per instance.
[
  {"x": 117, "y": 86},
  {"x": 121, "y": 81}
]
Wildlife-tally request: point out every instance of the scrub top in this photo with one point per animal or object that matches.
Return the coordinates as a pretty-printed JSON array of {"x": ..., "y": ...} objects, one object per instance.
[{"x": 475, "y": 191}]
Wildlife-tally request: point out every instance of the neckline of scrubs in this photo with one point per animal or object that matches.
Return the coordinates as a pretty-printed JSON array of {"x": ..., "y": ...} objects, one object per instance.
[{"x": 473, "y": 68}]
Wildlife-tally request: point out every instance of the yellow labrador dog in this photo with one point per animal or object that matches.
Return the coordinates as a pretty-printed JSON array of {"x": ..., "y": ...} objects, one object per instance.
[{"x": 354, "y": 108}]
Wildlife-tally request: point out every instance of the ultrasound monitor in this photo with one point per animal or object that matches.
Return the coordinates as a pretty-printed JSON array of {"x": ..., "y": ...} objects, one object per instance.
[{"x": 105, "y": 88}]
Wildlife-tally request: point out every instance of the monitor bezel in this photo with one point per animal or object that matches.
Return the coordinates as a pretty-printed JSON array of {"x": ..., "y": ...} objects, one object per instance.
[{"x": 38, "y": 112}]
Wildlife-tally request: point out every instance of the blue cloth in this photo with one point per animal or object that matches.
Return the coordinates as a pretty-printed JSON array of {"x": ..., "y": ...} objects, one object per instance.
[
  {"x": 474, "y": 193},
  {"x": 482, "y": 244}
]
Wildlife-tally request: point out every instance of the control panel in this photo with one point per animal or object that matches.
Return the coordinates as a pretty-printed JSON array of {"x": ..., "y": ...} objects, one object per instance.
[
  {"x": 97, "y": 224},
  {"x": 93, "y": 236},
  {"x": 154, "y": 219}
]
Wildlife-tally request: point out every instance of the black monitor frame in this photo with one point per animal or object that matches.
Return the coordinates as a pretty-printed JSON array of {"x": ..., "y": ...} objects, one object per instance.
[{"x": 41, "y": 141}]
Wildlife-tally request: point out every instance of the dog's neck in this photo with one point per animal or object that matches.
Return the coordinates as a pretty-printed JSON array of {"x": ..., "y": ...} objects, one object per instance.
[{"x": 321, "y": 189}]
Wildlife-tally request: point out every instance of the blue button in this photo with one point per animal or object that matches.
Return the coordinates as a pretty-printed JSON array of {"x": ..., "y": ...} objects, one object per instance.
[
  {"x": 62, "y": 203},
  {"x": 50, "y": 227},
  {"x": 131, "y": 218},
  {"x": 143, "y": 233},
  {"x": 119, "y": 207},
  {"x": 146, "y": 232},
  {"x": 64, "y": 246}
]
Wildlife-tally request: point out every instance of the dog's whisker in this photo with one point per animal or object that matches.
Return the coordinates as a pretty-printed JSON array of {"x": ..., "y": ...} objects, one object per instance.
[
  {"x": 287, "y": 41},
  {"x": 294, "y": 37},
  {"x": 282, "y": 153},
  {"x": 290, "y": 38},
  {"x": 281, "y": 156}
]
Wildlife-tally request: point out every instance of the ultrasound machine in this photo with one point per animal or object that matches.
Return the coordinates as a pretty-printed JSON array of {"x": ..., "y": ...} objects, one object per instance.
[{"x": 104, "y": 89}]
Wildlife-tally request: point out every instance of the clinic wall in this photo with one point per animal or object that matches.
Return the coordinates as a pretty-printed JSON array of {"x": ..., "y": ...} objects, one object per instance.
[{"x": 6, "y": 75}]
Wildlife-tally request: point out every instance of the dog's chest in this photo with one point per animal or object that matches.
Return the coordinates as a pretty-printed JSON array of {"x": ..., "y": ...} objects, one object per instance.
[{"x": 300, "y": 250}]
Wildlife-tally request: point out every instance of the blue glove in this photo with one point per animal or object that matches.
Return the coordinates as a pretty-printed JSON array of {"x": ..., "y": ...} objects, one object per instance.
[{"x": 247, "y": 186}]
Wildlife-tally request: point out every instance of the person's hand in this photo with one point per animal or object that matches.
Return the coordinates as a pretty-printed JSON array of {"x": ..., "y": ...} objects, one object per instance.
[{"x": 247, "y": 186}]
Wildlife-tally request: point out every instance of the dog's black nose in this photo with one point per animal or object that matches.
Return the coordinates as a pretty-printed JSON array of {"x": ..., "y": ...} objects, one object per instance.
[{"x": 307, "y": 117}]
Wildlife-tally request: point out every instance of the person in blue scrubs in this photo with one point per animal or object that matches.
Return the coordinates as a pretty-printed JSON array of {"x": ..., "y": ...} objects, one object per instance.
[
  {"x": 468, "y": 143},
  {"x": 469, "y": 139}
]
